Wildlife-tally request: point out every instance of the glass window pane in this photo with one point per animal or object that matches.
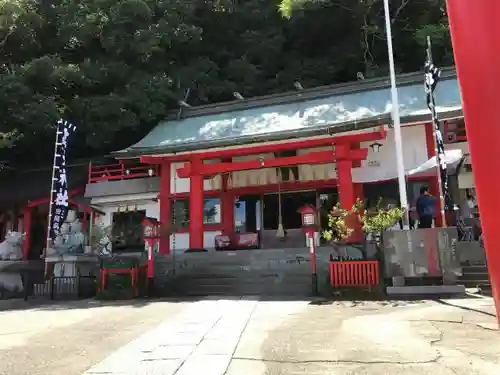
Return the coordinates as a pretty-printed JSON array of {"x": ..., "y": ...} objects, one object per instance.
[
  {"x": 240, "y": 213},
  {"x": 180, "y": 213},
  {"x": 212, "y": 211}
]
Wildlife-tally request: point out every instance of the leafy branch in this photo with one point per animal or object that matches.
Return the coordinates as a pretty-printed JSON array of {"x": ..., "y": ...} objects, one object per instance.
[
  {"x": 338, "y": 222},
  {"x": 378, "y": 219},
  {"x": 373, "y": 221}
]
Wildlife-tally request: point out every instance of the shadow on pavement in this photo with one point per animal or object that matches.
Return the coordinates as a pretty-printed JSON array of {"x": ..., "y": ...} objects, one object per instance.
[
  {"x": 464, "y": 308},
  {"x": 354, "y": 298}
]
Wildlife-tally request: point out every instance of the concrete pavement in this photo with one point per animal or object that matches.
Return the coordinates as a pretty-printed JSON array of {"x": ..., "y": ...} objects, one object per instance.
[
  {"x": 372, "y": 338},
  {"x": 68, "y": 338},
  {"x": 245, "y": 336}
]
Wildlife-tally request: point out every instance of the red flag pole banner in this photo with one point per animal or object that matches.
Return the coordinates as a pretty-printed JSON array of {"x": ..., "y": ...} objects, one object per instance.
[{"x": 475, "y": 31}]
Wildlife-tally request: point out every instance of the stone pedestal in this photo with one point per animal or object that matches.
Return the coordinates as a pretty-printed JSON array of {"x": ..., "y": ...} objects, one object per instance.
[
  {"x": 70, "y": 265},
  {"x": 11, "y": 276},
  {"x": 72, "y": 273},
  {"x": 12, "y": 273}
]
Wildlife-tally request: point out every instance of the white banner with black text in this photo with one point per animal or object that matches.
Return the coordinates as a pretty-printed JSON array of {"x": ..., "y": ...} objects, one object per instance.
[{"x": 59, "y": 191}]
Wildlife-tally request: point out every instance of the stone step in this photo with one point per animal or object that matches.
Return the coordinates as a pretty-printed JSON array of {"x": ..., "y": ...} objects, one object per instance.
[
  {"x": 476, "y": 283},
  {"x": 207, "y": 291},
  {"x": 426, "y": 290},
  {"x": 475, "y": 269},
  {"x": 474, "y": 276},
  {"x": 239, "y": 286}
]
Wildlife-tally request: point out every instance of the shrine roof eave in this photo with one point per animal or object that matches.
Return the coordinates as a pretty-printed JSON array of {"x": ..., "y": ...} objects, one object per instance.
[
  {"x": 336, "y": 129},
  {"x": 133, "y": 152}
]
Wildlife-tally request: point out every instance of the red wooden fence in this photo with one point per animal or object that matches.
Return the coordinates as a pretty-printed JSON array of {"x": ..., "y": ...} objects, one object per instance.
[
  {"x": 120, "y": 171},
  {"x": 354, "y": 274}
]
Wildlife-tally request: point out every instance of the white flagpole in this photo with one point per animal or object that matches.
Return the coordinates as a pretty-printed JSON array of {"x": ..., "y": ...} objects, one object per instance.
[
  {"x": 47, "y": 242},
  {"x": 403, "y": 198}
]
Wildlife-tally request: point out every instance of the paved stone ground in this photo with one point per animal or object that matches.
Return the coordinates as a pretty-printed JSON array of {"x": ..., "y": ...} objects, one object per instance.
[
  {"x": 69, "y": 338},
  {"x": 245, "y": 336}
]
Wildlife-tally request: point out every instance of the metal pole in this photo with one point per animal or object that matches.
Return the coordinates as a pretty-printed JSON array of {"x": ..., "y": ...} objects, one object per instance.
[
  {"x": 312, "y": 252},
  {"x": 47, "y": 242},
  {"x": 438, "y": 167},
  {"x": 403, "y": 197}
]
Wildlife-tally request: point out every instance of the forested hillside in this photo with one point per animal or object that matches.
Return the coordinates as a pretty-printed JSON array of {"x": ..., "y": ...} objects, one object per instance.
[{"x": 116, "y": 67}]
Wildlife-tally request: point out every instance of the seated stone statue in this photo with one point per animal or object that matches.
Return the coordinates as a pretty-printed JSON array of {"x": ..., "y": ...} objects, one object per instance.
[
  {"x": 11, "y": 247},
  {"x": 71, "y": 239}
]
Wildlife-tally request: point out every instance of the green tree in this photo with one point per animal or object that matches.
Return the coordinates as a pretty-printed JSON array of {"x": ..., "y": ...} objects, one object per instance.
[{"x": 115, "y": 68}]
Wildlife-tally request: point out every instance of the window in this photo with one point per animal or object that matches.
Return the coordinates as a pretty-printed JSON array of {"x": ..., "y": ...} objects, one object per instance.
[
  {"x": 180, "y": 213},
  {"x": 211, "y": 212},
  {"x": 128, "y": 231}
]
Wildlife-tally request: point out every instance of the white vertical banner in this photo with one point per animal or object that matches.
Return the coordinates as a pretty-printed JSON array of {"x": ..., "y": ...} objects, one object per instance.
[{"x": 58, "y": 209}]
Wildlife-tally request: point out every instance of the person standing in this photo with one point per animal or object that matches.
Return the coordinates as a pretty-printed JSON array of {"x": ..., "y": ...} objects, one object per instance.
[
  {"x": 426, "y": 208},
  {"x": 468, "y": 207}
]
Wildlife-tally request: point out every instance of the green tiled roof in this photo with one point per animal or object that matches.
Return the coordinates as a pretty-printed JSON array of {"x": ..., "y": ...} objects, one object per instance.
[{"x": 279, "y": 116}]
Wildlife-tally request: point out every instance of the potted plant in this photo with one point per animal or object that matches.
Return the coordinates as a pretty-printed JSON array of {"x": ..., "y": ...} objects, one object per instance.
[
  {"x": 338, "y": 228},
  {"x": 376, "y": 221}
]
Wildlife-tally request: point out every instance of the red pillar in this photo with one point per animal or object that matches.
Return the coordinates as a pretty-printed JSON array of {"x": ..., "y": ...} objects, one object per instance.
[
  {"x": 165, "y": 207},
  {"x": 356, "y": 146},
  {"x": 359, "y": 192},
  {"x": 346, "y": 189},
  {"x": 227, "y": 205},
  {"x": 475, "y": 32},
  {"x": 430, "y": 139},
  {"x": 27, "y": 230},
  {"x": 347, "y": 196},
  {"x": 196, "y": 208}
]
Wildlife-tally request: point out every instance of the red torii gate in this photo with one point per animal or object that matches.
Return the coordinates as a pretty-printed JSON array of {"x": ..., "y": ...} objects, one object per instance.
[
  {"x": 344, "y": 152},
  {"x": 475, "y": 32}
]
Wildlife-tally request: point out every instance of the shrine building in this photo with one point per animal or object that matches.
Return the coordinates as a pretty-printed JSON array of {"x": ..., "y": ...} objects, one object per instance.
[{"x": 225, "y": 168}]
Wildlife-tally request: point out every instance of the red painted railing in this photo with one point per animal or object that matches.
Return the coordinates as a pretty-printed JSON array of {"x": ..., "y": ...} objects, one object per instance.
[
  {"x": 354, "y": 274},
  {"x": 120, "y": 171}
]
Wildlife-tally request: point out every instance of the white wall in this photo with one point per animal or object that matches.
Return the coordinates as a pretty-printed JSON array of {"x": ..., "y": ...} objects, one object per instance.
[
  {"x": 466, "y": 180},
  {"x": 382, "y": 165}
]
